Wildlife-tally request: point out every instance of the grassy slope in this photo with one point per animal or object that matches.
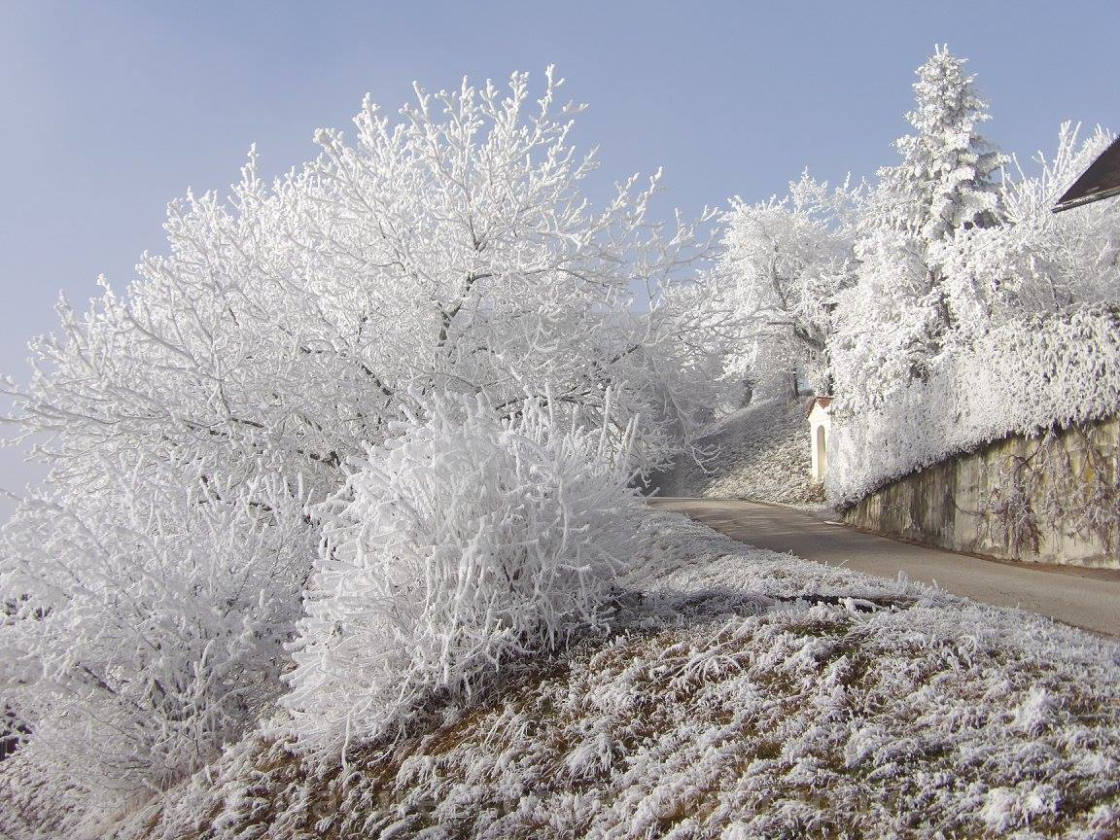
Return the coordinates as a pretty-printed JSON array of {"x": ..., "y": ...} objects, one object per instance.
[
  {"x": 760, "y": 452},
  {"x": 741, "y": 694}
]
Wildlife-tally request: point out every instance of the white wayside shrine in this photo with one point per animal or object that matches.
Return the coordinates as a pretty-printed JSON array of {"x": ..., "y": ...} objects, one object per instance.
[{"x": 820, "y": 427}]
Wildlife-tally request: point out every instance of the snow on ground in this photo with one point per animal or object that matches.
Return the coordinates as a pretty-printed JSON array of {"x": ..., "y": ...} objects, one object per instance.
[
  {"x": 740, "y": 693},
  {"x": 760, "y": 452}
]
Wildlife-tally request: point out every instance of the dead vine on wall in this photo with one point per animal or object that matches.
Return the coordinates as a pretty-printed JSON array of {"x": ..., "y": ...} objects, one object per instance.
[{"x": 1062, "y": 485}]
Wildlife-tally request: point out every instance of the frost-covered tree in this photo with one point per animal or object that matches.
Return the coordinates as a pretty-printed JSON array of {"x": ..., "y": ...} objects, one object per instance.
[
  {"x": 782, "y": 265},
  {"x": 946, "y": 186},
  {"x": 1036, "y": 261},
  {"x": 451, "y": 250},
  {"x": 1077, "y": 252},
  {"x": 947, "y": 180},
  {"x": 946, "y": 258},
  {"x": 189, "y": 420}
]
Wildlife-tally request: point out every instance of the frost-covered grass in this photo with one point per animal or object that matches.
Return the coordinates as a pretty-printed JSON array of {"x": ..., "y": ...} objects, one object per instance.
[
  {"x": 739, "y": 693},
  {"x": 1025, "y": 377},
  {"x": 760, "y": 452}
]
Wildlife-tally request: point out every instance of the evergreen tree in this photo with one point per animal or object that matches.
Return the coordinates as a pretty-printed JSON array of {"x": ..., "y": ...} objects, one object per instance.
[
  {"x": 904, "y": 309},
  {"x": 947, "y": 180}
]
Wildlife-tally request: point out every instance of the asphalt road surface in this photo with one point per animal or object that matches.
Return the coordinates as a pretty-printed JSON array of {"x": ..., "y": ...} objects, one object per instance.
[{"x": 1086, "y": 598}]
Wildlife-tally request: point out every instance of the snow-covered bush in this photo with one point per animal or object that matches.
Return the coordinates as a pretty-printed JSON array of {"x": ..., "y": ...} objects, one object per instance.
[
  {"x": 147, "y": 620},
  {"x": 464, "y": 541},
  {"x": 1027, "y": 376}
]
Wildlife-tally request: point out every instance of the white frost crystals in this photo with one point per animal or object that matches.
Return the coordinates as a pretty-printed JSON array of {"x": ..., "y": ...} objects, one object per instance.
[
  {"x": 447, "y": 252},
  {"x": 466, "y": 540},
  {"x": 144, "y": 623},
  {"x": 1020, "y": 378}
]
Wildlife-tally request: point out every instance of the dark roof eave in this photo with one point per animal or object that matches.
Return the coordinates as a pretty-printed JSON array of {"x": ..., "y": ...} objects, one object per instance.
[
  {"x": 1069, "y": 204},
  {"x": 1100, "y": 180}
]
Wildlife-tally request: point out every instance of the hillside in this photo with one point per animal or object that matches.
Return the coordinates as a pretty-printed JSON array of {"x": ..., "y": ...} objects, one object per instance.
[
  {"x": 760, "y": 452},
  {"x": 738, "y": 694}
]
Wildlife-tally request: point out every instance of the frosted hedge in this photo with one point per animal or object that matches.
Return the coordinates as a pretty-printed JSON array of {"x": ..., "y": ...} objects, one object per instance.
[{"x": 1025, "y": 377}]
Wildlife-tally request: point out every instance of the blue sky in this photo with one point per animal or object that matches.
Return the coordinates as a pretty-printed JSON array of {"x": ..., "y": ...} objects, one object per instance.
[{"x": 111, "y": 109}]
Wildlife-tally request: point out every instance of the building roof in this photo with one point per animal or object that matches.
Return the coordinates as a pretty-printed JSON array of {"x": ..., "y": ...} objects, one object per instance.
[
  {"x": 823, "y": 402},
  {"x": 1100, "y": 180}
]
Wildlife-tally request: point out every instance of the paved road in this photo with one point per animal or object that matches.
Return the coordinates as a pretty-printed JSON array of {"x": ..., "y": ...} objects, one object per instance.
[{"x": 1088, "y": 598}]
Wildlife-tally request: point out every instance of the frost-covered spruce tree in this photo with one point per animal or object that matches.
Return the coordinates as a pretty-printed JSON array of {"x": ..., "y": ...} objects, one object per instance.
[
  {"x": 448, "y": 250},
  {"x": 782, "y": 264},
  {"x": 464, "y": 541},
  {"x": 903, "y": 310},
  {"x": 947, "y": 180}
]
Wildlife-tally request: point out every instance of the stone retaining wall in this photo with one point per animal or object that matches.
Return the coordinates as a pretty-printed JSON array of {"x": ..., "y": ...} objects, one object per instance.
[{"x": 1050, "y": 499}]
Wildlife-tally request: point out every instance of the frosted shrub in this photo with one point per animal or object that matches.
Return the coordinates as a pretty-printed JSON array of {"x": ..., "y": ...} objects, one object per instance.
[
  {"x": 463, "y": 542},
  {"x": 1021, "y": 378},
  {"x": 145, "y": 622}
]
